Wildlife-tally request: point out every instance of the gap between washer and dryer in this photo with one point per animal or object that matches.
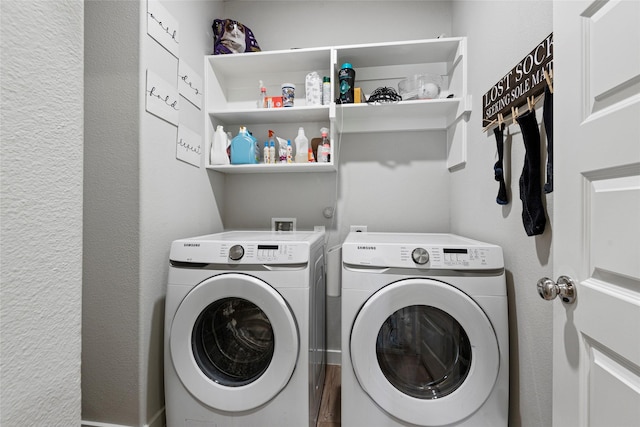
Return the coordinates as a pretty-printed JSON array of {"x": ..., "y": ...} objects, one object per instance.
[{"x": 329, "y": 415}]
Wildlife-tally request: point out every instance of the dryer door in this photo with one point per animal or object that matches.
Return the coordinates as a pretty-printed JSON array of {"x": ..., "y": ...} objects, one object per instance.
[
  {"x": 234, "y": 342},
  {"x": 425, "y": 352}
]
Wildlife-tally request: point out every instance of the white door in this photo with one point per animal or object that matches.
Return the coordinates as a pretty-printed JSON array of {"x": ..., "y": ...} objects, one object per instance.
[{"x": 596, "y": 348}]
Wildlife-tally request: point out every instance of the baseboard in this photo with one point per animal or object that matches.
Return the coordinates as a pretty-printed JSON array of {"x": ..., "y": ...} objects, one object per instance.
[
  {"x": 85, "y": 423},
  {"x": 158, "y": 420},
  {"x": 334, "y": 357}
]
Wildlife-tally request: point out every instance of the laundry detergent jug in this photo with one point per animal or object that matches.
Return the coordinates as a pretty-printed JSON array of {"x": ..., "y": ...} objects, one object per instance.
[{"x": 244, "y": 148}]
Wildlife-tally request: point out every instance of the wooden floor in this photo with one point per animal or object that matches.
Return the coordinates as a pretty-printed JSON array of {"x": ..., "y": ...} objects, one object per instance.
[{"x": 329, "y": 415}]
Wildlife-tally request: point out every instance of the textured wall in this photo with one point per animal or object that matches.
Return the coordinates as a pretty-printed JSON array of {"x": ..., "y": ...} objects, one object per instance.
[
  {"x": 499, "y": 35},
  {"x": 41, "y": 211}
]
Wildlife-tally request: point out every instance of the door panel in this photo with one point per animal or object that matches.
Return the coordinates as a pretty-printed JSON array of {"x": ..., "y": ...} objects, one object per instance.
[
  {"x": 610, "y": 29},
  {"x": 614, "y": 225},
  {"x": 613, "y": 390}
]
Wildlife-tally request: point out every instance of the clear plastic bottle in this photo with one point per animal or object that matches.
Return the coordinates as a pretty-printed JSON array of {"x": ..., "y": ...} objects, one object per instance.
[
  {"x": 325, "y": 149},
  {"x": 302, "y": 146},
  {"x": 262, "y": 99}
]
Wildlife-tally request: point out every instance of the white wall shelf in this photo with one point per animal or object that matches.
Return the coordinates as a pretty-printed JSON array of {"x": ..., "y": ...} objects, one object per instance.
[
  {"x": 405, "y": 115},
  {"x": 272, "y": 115},
  {"x": 231, "y": 93},
  {"x": 275, "y": 168}
]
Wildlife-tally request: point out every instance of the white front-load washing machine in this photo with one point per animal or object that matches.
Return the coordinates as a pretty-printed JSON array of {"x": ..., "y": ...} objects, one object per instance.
[
  {"x": 244, "y": 330},
  {"x": 424, "y": 331}
]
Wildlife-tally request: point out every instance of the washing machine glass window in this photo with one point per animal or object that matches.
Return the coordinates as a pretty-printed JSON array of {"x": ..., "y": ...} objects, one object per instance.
[
  {"x": 423, "y": 352},
  {"x": 233, "y": 342},
  {"x": 479, "y": 346}
]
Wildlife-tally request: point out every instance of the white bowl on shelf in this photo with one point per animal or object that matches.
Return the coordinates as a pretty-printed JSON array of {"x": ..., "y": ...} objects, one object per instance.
[{"x": 420, "y": 86}]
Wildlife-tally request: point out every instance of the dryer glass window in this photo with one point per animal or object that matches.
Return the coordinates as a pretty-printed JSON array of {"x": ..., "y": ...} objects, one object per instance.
[
  {"x": 423, "y": 352},
  {"x": 233, "y": 342}
]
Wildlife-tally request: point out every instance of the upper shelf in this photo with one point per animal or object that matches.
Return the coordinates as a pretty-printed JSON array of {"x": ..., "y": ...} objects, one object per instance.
[
  {"x": 273, "y": 115},
  {"x": 273, "y": 61},
  {"x": 400, "y": 53}
]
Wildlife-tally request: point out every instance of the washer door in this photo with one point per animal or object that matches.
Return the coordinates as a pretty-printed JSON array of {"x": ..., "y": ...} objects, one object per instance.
[
  {"x": 425, "y": 352},
  {"x": 234, "y": 342}
]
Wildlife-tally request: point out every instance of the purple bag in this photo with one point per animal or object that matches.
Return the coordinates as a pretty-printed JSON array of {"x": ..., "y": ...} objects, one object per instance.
[{"x": 231, "y": 36}]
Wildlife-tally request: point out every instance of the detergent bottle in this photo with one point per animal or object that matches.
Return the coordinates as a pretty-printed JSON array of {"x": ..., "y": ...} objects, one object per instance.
[
  {"x": 218, "y": 155},
  {"x": 243, "y": 148},
  {"x": 302, "y": 147}
]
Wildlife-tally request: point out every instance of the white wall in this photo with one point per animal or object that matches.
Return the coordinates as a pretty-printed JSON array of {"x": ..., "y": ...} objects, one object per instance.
[
  {"x": 387, "y": 181},
  {"x": 41, "y": 211},
  {"x": 500, "y": 34},
  {"x": 138, "y": 198}
]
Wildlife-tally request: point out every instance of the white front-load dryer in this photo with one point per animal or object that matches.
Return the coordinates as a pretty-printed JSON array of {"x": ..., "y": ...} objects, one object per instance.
[
  {"x": 424, "y": 331},
  {"x": 244, "y": 330}
]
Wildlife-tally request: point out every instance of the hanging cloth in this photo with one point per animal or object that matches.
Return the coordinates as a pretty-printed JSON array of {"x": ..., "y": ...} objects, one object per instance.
[
  {"x": 498, "y": 168},
  {"x": 547, "y": 118},
  {"x": 533, "y": 214}
]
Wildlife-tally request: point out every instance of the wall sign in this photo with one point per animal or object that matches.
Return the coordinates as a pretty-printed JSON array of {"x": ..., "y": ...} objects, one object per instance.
[
  {"x": 188, "y": 146},
  {"x": 189, "y": 84},
  {"x": 526, "y": 79},
  {"x": 162, "y": 98},
  {"x": 163, "y": 27}
]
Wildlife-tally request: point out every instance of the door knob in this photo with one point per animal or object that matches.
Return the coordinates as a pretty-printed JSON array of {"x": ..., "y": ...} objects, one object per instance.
[{"x": 565, "y": 287}]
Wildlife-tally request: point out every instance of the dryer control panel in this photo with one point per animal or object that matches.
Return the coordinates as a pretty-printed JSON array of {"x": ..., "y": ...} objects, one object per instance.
[
  {"x": 428, "y": 251},
  {"x": 443, "y": 257}
]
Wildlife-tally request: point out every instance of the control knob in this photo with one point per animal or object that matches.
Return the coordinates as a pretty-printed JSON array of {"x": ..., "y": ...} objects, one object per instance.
[
  {"x": 420, "y": 256},
  {"x": 236, "y": 252}
]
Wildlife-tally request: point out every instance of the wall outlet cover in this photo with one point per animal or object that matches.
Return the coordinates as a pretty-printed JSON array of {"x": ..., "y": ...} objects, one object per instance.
[{"x": 283, "y": 224}]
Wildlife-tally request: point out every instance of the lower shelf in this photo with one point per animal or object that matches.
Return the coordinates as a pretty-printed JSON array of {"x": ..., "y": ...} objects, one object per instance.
[{"x": 275, "y": 168}]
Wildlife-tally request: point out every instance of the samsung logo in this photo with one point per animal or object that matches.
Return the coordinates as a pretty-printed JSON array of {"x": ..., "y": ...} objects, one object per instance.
[
  {"x": 367, "y": 248},
  {"x": 193, "y": 245}
]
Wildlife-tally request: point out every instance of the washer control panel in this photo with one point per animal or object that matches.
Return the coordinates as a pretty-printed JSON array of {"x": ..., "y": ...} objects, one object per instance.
[
  {"x": 253, "y": 253},
  {"x": 246, "y": 248},
  {"x": 240, "y": 252}
]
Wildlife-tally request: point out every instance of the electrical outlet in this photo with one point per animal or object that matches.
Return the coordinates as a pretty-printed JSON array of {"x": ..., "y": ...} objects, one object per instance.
[{"x": 359, "y": 228}]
